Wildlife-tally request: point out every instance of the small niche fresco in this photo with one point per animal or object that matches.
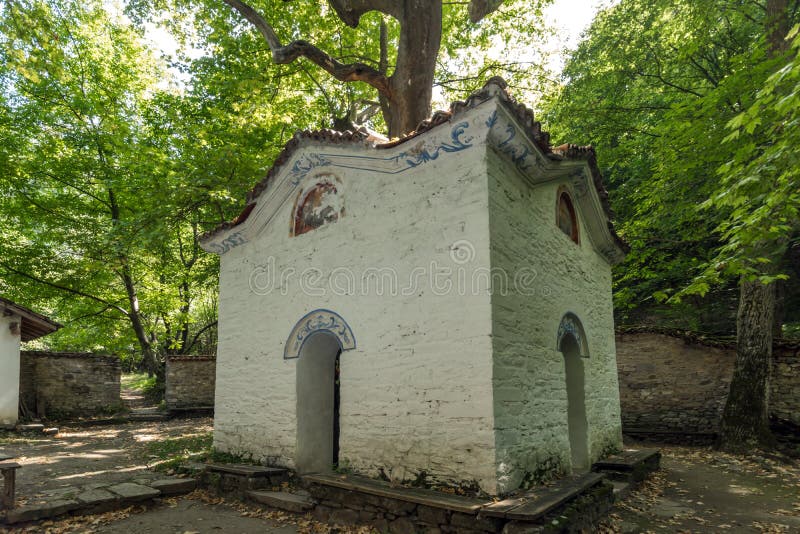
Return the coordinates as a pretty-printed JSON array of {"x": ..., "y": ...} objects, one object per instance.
[{"x": 317, "y": 205}]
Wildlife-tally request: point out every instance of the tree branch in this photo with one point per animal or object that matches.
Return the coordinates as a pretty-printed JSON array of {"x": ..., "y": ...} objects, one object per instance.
[
  {"x": 197, "y": 336},
  {"x": 67, "y": 289},
  {"x": 350, "y": 11},
  {"x": 352, "y": 72},
  {"x": 480, "y": 8}
]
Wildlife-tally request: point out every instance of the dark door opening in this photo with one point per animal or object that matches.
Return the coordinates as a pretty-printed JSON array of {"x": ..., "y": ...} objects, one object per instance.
[
  {"x": 318, "y": 399},
  {"x": 577, "y": 426},
  {"x": 336, "y": 402}
]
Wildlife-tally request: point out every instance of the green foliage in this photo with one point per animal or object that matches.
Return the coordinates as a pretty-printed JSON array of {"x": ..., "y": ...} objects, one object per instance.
[
  {"x": 149, "y": 387},
  {"x": 655, "y": 87},
  {"x": 169, "y": 453},
  {"x": 760, "y": 182},
  {"x": 110, "y": 173},
  {"x": 239, "y": 68}
]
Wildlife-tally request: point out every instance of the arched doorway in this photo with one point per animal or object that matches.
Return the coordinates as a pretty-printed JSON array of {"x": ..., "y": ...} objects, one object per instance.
[
  {"x": 318, "y": 404},
  {"x": 572, "y": 344},
  {"x": 317, "y": 341}
]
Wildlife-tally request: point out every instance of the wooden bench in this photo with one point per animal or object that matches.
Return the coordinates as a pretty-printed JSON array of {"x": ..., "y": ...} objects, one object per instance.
[{"x": 9, "y": 472}]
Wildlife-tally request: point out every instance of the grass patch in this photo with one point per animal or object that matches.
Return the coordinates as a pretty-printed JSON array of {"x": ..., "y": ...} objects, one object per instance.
[
  {"x": 169, "y": 453},
  {"x": 167, "y": 448},
  {"x": 172, "y": 453},
  {"x": 148, "y": 386}
]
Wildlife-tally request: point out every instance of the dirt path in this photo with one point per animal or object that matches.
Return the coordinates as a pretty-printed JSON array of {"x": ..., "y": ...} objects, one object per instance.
[
  {"x": 696, "y": 491},
  {"x": 189, "y": 515},
  {"x": 701, "y": 491},
  {"x": 79, "y": 456},
  {"x": 132, "y": 398}
]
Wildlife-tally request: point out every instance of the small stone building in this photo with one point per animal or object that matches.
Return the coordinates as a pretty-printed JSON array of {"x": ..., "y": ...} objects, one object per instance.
[
  {"x": 436, "y": 306},
  {"x": 17, "y": 324}
]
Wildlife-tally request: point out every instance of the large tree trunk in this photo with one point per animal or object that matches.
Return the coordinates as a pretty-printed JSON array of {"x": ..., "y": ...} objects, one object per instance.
[
  {"x": 411, "y": 84},
  {"x": 134, "y": 315},
  {"x": 777, "y": 26},
  {"x": 745, "y": 419}
]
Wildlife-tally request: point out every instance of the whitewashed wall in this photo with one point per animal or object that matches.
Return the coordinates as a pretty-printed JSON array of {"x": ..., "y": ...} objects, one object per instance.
[
  {"x": 530, "y": 393},
  {"x": 9, "y": 370},
  {"x": 458, "y": 384},
  {"x": 416, "y": 392}
]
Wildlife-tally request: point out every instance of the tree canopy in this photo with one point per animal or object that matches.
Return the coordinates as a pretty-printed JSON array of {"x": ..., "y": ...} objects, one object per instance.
[{"x": 116, "y": 159}]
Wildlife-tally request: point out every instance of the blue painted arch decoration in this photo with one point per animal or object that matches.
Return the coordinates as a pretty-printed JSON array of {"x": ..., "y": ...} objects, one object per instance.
[
  {"x": 571, "y": 325},
  {"x": 320, "y": 320}
]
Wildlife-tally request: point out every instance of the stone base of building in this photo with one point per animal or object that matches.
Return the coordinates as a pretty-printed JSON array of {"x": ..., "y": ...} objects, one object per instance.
[
  {"x": 576, "y": 503},
  {"x": 581, "y": 511}
]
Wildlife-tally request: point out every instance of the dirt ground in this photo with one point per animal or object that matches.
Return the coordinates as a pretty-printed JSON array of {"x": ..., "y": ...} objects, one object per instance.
[
  {"x": 696, "y": 491},
  {"x": 80, "y": 456}
]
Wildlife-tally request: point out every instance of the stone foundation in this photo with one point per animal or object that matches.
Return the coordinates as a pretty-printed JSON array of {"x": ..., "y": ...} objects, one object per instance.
[
  {"x": 64, "y": 384},
  {"x": 190, "y": 382},
  {"x": 676, "y": 385},
  {"x": 344, "y": 507}
]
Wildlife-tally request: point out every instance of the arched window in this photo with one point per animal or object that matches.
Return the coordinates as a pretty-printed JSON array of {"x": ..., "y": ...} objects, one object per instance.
[{"x": 565, "y": 215}]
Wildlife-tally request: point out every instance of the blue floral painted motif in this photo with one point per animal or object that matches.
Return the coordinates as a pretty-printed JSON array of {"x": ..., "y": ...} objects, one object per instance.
[
  {"x": 417, "y": 156},
  {"x": 233, "y": 240},
  {"x": 492, "y": 119},
  {"x": 306, "y": 164},
  {"x": 318, "y": 321},
  {"x": 571, "y": 325}
]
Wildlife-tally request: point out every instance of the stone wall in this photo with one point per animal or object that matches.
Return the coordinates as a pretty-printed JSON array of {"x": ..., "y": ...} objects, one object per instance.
[
  {"x": 60, "y": 384},
  {"x": 671, "y": 383},
  {"x": 190, "y": 382}
]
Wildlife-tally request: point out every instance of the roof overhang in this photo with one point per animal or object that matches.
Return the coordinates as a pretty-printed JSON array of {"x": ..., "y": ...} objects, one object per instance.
[
  {"x": 33, "y": 325},
  {"x": 489, "y": 117}
]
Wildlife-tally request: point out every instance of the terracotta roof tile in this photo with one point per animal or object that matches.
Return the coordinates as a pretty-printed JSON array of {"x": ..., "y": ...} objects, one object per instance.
[{"x": 495, "y": 86}]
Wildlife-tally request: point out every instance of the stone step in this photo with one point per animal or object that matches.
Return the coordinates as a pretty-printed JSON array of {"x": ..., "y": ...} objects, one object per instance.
[
  {"x": 289, "y": 502},
  {"x": 169, "y": 487},
  {"x": 101, "y": 499},
  {"x": 33, "y": 427},
  {"x": 537, "y": 502},
  {"x": 147, "y": 417},
  {"x": 249, "y": 471},
  {"x": 630, "y": 465}
]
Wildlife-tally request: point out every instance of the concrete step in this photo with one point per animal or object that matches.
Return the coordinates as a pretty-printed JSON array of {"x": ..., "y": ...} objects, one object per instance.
[{"x": 281, "y": 500}]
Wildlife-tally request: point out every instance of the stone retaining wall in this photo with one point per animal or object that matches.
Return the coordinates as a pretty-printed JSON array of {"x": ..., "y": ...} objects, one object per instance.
[
  {"x": 190, "y": 382},
  {"x": 66, "y": 384},
  {"x": 679, "y": 384}
]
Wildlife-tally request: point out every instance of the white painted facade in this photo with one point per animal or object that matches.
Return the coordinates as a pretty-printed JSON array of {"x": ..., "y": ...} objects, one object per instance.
[
  {"x": 10, "y": 328},
  {"x": 438, "y": 374}
]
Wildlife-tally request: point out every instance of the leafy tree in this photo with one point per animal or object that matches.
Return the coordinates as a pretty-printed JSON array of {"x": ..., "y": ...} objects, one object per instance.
[
  {"x": 760, "y": 188},
  {"x": 393, "y": 47},
  {"x": 654, "y": 85},
  {"x": 107, "y": 182}
]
